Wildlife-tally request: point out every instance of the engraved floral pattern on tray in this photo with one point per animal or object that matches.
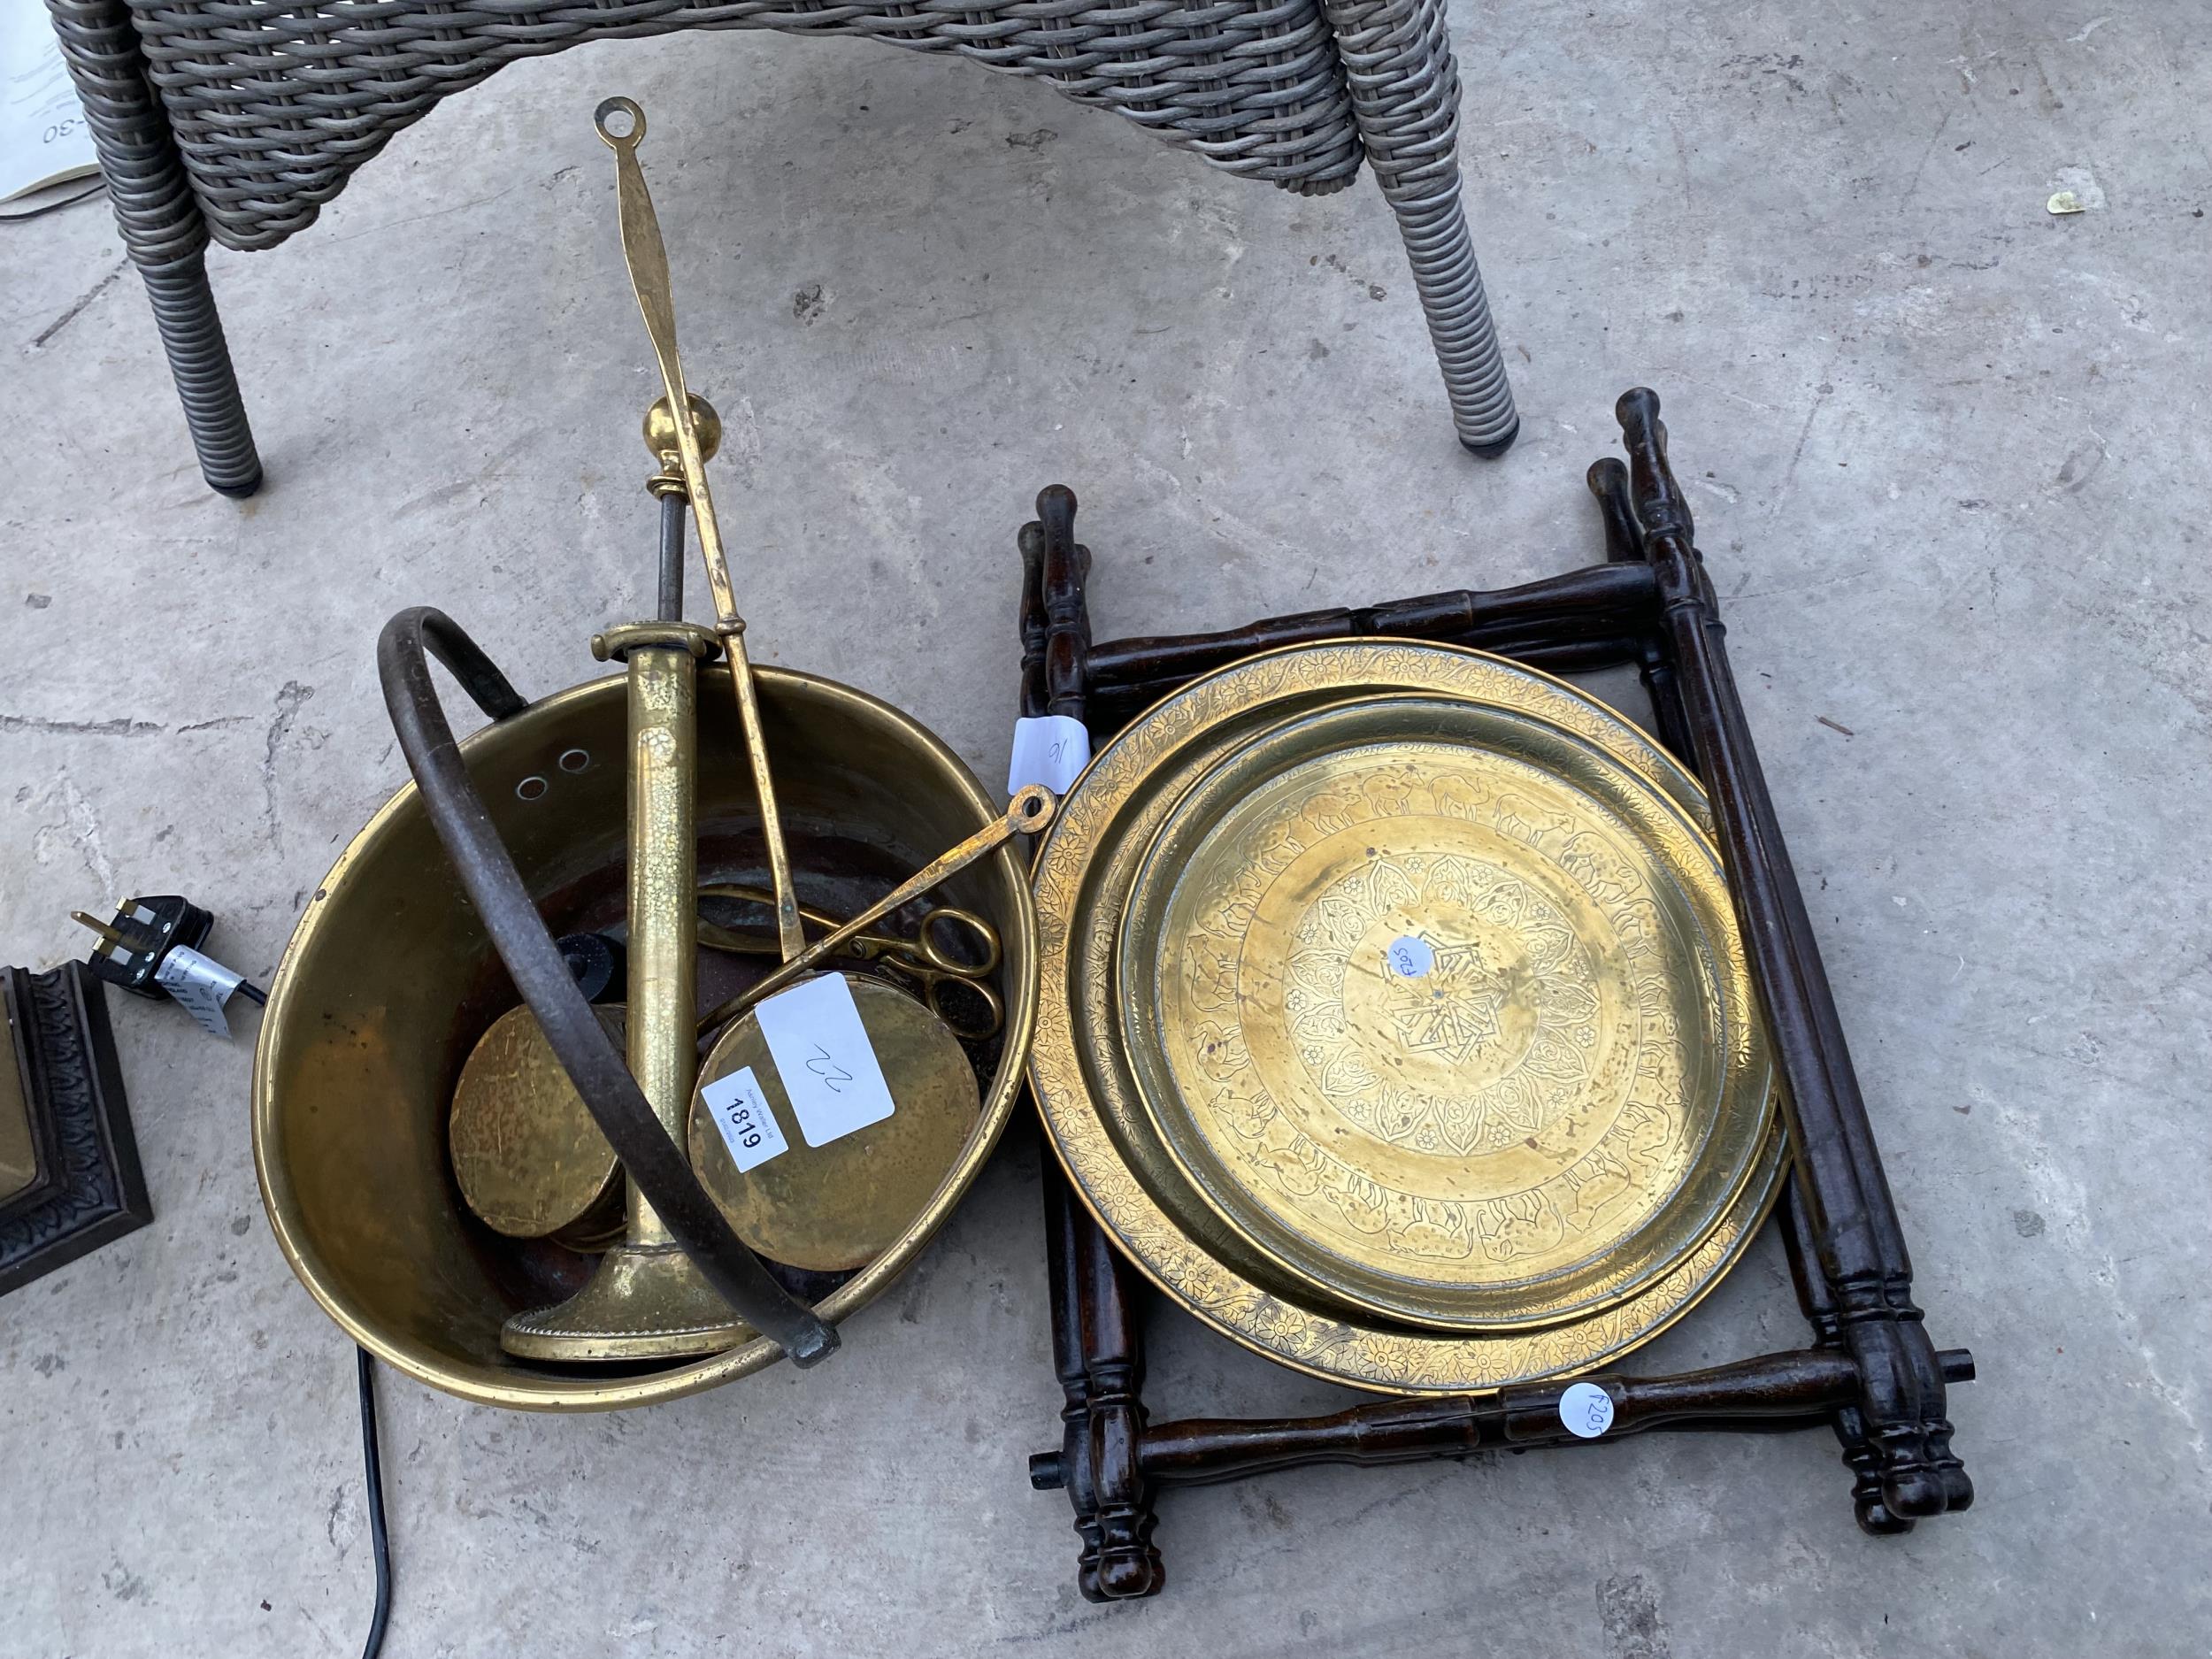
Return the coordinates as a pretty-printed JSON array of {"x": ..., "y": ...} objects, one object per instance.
[{"x": 1525, "y": 1061}]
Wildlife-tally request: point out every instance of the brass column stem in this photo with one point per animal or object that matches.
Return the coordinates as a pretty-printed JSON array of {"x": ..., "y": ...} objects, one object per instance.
[{"x": 663, "y": 871}]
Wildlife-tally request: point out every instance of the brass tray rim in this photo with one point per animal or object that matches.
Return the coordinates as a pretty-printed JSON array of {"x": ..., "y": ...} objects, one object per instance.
[{"x": 1246, "y": 1314}]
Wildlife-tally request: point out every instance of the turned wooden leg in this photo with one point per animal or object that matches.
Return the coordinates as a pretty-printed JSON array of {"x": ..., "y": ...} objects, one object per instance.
[
  {"x": 1625, "y": 544},
  {"x": 1096, "y": 1350},
  {"x": 1851, "y": 1220},
  {"x": 1071, "y": 1468},
  {"x": 1817, "y": 1299},
  {"x": 1100, "y": 1361},
  {"x": 1113, "y": 1366}
]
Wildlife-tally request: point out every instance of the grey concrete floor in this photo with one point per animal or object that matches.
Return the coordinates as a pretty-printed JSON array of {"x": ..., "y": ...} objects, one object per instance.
[{"x": 1949, "y": 454}]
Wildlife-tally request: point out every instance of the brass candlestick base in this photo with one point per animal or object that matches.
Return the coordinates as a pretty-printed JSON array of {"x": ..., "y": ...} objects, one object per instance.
[{"x": 647, "y": 1301}]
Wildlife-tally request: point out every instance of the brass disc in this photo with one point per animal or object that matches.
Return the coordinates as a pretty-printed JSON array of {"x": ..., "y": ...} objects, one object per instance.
[
  {"x": 839, "y": 1206},
  {"x": 529, "y": 1159},
  {"x": 1424, "y": 996},
  {"x": 1087, "y": 1091}
]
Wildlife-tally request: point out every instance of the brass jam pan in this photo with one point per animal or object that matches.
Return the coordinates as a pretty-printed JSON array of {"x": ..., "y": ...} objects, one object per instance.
[
  {"x": 361, "y": 1045},
  {"x": 1098, "y": 1125},
  {"x": 839, "y": 1206},
  {"x": 1426, "y": 996}
]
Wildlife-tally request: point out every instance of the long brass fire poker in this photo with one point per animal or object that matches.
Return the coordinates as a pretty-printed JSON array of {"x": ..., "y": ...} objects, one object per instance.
[{"x": 648, "y": 257}]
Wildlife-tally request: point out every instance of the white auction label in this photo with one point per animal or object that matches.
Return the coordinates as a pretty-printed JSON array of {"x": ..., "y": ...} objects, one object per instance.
[
  {"x": 823, "y": 1053},
  {"x": 741, "y": 1111},
  {"x": 1410, "y": 956},
  {"x": 201, "y": 985},
  {"x": 1050, "y": 749},
  {"x": 1586, "y": 1410}
]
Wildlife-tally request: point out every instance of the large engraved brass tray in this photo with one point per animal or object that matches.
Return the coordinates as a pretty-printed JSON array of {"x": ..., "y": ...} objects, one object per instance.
[{"x": 1529, "y": 1152}]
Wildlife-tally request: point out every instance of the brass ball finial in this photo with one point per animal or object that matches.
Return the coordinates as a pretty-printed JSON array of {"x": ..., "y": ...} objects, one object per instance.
[{"x": 660, "y": 428}]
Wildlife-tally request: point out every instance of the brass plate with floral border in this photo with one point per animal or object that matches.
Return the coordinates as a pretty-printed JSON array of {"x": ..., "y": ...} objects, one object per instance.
[
  {"x": 1427, "y": 996},
  {"x": 1098, "y": 1124}
]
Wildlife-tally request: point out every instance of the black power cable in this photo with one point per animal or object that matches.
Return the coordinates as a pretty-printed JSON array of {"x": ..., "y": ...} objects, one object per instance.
[{"x": 380, "y": 1540}]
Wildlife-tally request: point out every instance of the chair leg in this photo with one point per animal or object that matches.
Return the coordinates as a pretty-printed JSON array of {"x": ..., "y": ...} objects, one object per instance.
[
  {"x": 1405, "y": 98},
  {"x": 199, "y": 360}
]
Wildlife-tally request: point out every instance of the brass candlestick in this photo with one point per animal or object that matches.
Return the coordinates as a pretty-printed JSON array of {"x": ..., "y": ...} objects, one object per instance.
[{"x": 648, "y": 1300}]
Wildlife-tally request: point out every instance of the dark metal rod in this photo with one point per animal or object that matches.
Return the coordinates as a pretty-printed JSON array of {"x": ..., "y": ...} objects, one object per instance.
[{"x": 675, "y": 506}]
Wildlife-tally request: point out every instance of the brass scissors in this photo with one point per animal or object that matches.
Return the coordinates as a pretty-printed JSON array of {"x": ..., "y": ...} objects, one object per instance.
[{"x": 952, "y": 948}]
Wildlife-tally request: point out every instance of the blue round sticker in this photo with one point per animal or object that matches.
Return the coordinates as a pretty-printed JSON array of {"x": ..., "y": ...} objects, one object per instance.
[{"x": 1411, "y": 956}]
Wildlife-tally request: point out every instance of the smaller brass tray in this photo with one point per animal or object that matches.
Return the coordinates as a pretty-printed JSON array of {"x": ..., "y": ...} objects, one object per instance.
[
  {"x": 528, "y": 1158},
  {"x": 1423, "y": 995}
]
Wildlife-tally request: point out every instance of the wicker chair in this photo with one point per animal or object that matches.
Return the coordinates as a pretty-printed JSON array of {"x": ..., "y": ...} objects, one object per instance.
[{"x": 239, "y": 118}]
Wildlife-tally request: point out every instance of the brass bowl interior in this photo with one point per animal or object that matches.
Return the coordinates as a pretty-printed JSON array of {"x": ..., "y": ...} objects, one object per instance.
[{"x": 389, "y": 980}]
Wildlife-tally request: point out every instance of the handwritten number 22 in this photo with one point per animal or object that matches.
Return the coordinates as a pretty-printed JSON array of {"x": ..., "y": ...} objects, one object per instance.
[{"x": 833, "y": 1075}]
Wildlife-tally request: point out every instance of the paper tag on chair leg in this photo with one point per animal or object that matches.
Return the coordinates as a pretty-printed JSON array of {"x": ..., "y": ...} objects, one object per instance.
[
  {"x": 1050, "y": 749},
  {"x": 823, "y": 1053}
]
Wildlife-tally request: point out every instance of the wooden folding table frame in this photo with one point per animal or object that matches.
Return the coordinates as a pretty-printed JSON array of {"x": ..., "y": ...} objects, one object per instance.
[{"x": 1871, "y": 1371}]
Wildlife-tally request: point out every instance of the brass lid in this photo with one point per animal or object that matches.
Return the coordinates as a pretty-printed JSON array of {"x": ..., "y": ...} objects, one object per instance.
[
  {"x": 840, "y": 1205},
  {"x": 527, "y": 1157}
]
